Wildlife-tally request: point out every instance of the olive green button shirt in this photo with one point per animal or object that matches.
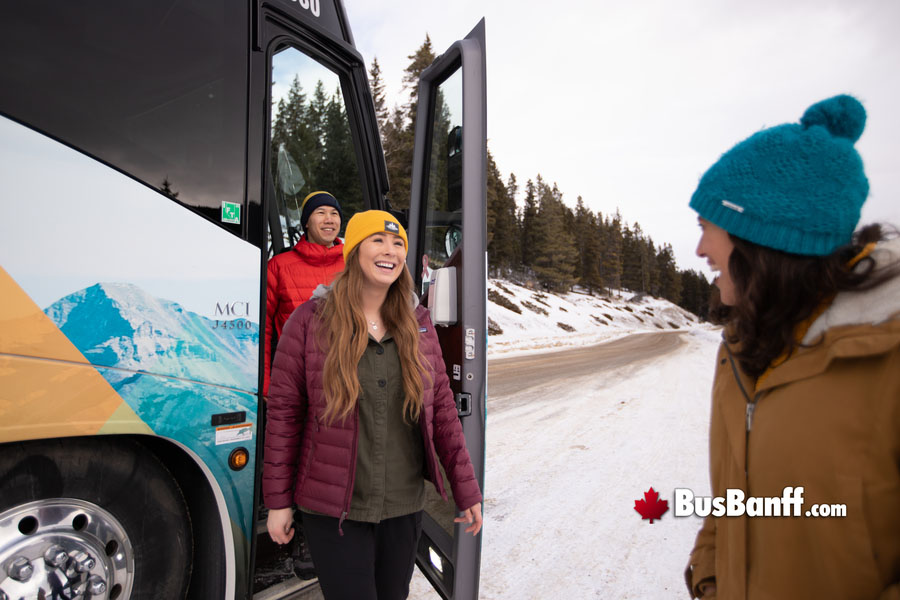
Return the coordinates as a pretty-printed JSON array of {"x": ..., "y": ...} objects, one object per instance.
[{"x": 390, "y": 458}]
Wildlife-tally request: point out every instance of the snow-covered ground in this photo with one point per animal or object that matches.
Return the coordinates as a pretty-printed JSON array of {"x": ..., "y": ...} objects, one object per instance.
[
  {"x": 564, "y": 470},
  {"x": 548, "y": 321}
]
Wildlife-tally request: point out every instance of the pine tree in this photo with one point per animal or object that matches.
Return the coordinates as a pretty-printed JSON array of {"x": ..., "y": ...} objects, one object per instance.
[
  {"x": 611, "y": 260},
  {"x": 440, "y": 178},
  {"x": 398, "y": 136},
  {"x": 295, "y": 145},
  {"x": 510, "y": 225},
  {"x": 555, "y": 255},
  {"x": 166, "y": 188},
  {"x": 398, "y": 145},
  {"x": 669, "y": 276},
  {"x": 376, "y": 83},
  {"x": 338, "y": 172},
  {"x": 650, "y": 268},
  {"x": 502, "y": 228},
  {"x": 315, "y": 118},
  {"x": 529, "y": 224},
  {"x": 512, "y": 187},
  {"x": 695, "y": 293},
  {"x": 631, "y": 260},
  {"x": 585, "y": 232},
  {"x": 420, "y": 60}
]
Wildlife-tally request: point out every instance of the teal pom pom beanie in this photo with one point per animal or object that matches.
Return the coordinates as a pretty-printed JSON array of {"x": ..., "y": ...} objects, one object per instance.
[{"x": 798, "y": 188}]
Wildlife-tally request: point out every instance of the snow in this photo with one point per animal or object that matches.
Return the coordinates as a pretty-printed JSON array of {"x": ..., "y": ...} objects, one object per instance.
[
  {"x": 564, "y": 471},
  {"x": 593, "y": 319}
]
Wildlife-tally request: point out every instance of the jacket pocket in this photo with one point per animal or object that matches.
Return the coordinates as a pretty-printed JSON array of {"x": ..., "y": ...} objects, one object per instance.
[{"x": 847, "y": 544}]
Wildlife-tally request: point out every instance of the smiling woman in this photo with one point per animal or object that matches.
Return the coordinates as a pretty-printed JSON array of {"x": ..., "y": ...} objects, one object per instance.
[
  {"x": 381, "y": 256},
  {"x": 359, "y": 377},
  {"x": 715, "y": 246}
]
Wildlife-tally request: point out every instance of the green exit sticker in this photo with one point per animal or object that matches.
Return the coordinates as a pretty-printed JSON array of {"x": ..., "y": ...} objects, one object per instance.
[{"x": 231, "y": 212}]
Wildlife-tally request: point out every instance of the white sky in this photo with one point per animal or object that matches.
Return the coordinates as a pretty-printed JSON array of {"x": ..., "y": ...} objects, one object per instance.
[{"x": 627, "y": 103}]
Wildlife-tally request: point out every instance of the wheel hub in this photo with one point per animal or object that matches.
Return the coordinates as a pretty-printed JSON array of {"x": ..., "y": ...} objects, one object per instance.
[{"x": 64, "y": 548}]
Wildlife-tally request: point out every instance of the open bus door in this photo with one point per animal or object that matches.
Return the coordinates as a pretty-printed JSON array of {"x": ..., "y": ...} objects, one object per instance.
[{"x": 448, "y": 260}]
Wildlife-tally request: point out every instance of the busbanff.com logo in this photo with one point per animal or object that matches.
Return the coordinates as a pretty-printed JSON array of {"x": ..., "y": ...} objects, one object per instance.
[{"x": 735, "y": 503}]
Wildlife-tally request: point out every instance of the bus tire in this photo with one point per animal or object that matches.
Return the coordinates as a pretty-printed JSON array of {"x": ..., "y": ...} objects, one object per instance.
[{"x": 121, "y": 489}]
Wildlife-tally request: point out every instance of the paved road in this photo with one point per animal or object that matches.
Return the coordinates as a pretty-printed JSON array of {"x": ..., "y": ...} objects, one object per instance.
[{"x": 512, "y": 381}]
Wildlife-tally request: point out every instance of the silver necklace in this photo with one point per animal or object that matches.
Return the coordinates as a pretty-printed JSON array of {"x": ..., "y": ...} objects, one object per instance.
[{"x": 373, "y": 325}]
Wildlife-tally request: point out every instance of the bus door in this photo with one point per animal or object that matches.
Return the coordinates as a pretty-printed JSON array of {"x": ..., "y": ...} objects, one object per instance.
[
  {"x": 448, "y": 260},
  {"x": 320, "y": 133}
]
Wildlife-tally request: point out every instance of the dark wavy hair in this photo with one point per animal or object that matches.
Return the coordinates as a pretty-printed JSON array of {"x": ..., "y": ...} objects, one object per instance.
[{"x": 777, "y": 291}]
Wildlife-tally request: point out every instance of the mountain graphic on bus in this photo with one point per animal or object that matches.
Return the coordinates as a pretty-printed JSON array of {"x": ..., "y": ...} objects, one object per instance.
[{"x": 120, "y": 325}]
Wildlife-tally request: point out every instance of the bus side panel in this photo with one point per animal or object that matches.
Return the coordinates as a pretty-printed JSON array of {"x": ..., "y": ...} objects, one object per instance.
[{"x": 125, "y": 313}]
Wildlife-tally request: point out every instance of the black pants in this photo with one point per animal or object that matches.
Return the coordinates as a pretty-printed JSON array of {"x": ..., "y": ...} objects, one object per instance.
[{"x": 371, "y": 561}]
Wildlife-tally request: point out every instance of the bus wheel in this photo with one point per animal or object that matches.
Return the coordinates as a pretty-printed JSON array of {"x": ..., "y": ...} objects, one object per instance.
[{"x": 91, "y": 518}]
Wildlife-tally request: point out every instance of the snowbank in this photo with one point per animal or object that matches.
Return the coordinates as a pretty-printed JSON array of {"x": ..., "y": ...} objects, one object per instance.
[{"x": 547, "y": 321}]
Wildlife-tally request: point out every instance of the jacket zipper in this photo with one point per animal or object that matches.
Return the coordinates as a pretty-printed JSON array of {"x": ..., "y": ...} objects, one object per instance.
[
  {"x": 751, "y": 408},
  {"x": 750, "y": 411}
]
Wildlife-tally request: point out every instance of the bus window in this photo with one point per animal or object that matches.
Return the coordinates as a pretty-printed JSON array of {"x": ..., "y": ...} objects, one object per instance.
[
  {"x": 310, "y": 146},
  {"x": 443, "y": 229},
  {"x": 157, "y": 90},
  {"x": 443, "y": 222}
]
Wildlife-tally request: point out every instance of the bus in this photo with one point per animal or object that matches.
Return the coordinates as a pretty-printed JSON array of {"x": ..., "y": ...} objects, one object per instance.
[{"x": 153, "y": 156}]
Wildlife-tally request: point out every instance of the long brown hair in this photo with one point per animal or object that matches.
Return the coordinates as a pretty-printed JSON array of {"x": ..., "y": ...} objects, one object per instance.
[
  {"x": 777, "y": 291},
  {"x": 344, "y": 327}
]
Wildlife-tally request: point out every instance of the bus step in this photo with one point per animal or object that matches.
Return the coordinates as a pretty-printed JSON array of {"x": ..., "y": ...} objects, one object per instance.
[{"x": 292, "y": 589}]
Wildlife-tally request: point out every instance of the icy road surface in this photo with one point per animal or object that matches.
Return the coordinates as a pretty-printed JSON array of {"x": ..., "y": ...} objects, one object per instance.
[{"x": 571, "y": 448}]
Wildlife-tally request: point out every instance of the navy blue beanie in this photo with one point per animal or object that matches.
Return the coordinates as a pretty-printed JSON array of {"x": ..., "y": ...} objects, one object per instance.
[
  {"x": 798, "y": 188},
  {"x": 314, "y": 201}
]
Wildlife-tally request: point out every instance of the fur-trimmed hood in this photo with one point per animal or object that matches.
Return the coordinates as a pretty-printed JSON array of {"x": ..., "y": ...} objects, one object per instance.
[{"x": 870, "y": 307}]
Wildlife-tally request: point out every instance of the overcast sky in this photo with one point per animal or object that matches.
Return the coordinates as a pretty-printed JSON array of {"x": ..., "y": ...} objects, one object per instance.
[{"x": 627, "y": 103}]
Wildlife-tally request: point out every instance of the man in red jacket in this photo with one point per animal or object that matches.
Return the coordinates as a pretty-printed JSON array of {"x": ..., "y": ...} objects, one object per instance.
[{"x": 292, "y": 276}]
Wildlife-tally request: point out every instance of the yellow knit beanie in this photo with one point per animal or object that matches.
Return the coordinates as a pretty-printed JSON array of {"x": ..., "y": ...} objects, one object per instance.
[{"x": 363, "y": 224}]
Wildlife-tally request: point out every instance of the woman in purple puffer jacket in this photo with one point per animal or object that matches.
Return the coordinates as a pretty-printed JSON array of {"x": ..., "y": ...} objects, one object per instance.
[{"x": 359, "y": 413}]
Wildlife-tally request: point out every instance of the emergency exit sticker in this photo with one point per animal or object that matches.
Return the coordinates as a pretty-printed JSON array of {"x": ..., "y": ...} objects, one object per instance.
[
  {"x": 231, "y": 212},
  {"x": 231, "y": 434}
]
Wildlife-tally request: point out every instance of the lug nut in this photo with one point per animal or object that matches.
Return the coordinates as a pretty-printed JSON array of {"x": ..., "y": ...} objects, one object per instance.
[
  {"x": 84, "y": 562},
  {"x": 21, "y": 569},
  {"x": 96, "y": 585},
  {"x": 55, "y": 556}
]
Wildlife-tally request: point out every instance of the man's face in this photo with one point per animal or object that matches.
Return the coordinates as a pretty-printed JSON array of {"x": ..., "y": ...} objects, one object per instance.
[{"x": 323, "y": 226}]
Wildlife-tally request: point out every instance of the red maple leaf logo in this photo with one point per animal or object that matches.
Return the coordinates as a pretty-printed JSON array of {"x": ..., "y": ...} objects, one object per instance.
[{"x": 651, "y": 507}]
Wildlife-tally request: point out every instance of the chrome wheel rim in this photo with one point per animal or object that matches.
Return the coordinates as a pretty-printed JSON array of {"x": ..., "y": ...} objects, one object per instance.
[{"x": 67, "y": 547}]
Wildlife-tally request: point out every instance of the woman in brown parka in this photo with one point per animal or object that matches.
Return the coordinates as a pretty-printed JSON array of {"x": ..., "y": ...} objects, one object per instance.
[{"x": 807, "y": 384}]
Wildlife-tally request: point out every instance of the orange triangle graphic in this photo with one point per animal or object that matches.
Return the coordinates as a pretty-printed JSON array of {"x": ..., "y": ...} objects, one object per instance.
[{"x": 47, "y": 387}]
